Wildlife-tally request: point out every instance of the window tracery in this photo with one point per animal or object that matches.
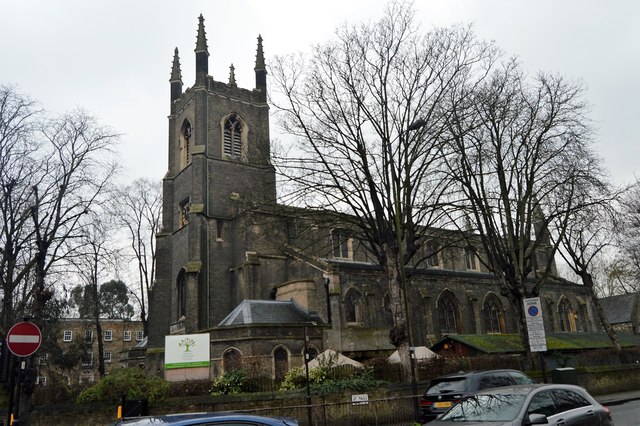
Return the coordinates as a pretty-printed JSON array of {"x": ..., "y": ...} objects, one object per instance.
[
  {"x": 233, "y": 136},
  {"x": 448, "y": 314}
]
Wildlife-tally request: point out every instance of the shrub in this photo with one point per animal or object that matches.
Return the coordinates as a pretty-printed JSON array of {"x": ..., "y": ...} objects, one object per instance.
[
  {"x": 329, "y": 378},
  {"x": 129, "y": 382},
  {"x": 230, "y": 383}
]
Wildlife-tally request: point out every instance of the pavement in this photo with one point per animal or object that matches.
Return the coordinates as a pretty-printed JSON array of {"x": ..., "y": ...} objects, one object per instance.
[{"x": 618, "y": 397}]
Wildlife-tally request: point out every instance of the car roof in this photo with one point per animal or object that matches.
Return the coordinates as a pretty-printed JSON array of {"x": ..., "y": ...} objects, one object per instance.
[
  {"x": 187, "y": 418},
  {"x": 527, "y": 388},
  {"x": 477, "y": 372}
]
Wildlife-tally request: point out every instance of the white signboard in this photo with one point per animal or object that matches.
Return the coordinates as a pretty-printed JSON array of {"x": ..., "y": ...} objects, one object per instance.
[
  {"x": 360, "y": 399},
  {"x": 186, "y": 351},
  {"x": 535, "y": 324}
]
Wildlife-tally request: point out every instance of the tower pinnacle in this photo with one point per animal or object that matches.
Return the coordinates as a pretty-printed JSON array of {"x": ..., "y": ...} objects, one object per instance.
[
  {"x": 176, "y": 74},
  {"x": 201, "y": 42},
  {"x": 202, "y": 54},
  {"x": 260, "y": 69},
  {"x": 259, "y": 55},
  {"x": 176, "y": 79},
  {"x": 232, "y": 76}
]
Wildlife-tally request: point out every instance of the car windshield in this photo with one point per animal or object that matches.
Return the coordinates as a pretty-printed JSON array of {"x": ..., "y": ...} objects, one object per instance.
[
  {"x": 455, "y": 384},
  {"x": 486, "y": 408}
]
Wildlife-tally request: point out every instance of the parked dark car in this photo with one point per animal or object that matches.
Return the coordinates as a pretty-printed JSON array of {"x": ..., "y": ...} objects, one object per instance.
[
  {"x": 218, "y": 419},
  {"x": 520, "y": 405},
  {"x": 443, "y": 392}
]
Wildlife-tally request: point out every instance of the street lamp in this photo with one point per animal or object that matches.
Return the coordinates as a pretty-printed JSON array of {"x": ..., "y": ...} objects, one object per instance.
[
  {"x": 416, "y": 125},
  {"x": 306, "y": 353}
]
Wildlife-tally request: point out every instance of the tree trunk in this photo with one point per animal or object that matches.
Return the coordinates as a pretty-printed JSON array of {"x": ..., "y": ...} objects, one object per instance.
[
  {"x": 399, "y": 334},
  {"x": 587, "y": 280}
]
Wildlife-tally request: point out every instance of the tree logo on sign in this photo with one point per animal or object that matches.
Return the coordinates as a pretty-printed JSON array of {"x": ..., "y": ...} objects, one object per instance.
[{"x": 187, "y": 343}]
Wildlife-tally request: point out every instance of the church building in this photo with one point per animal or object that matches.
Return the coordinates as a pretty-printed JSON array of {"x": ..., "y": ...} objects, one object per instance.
[{"x": 259, "y": 277}]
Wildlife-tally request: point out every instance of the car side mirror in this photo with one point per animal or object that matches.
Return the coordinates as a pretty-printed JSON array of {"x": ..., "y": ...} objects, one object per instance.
[{"x": 536, "y": 419}]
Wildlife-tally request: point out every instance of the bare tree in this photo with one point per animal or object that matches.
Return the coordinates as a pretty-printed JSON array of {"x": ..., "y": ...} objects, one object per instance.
[
  {"x": 365, "y": 111},
  {"x": 627, "y": 267},
  {"x": 54, "y": 170},
  {"x": 19, "y": 171},
  {"x": 94, "y": 254},
  {"x": 138, "y": 209},
  {"x": 587, "y": 233},
  {"x": 521, "y": 158}
]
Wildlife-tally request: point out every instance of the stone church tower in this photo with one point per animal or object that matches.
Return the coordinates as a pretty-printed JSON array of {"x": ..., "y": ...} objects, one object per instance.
[{"x": 218, "y": 158}]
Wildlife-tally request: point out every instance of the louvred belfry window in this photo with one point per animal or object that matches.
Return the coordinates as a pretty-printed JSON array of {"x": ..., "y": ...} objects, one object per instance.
[{"x": 233, "y": 136}]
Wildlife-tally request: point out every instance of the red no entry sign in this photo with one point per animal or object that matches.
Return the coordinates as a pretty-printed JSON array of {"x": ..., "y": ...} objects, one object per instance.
[{"x": 24, "y": 338}]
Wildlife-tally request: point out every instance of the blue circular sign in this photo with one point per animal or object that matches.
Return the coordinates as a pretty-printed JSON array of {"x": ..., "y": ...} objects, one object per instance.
[{"x": 533, "y": 311}]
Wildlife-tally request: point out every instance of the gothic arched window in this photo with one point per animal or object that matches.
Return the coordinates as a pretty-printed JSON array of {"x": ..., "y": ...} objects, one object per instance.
[
  {"x": 231, "y": 360},
  {"x": 181, "y": 289},
  {"x": 233, "y": 135},
  {"x": 567, "y": 316},
  {"x": 185, "y": 144},
  {"x": 281, "y": 363},
  {"x": 353, "y": 307},
  {"x": 493, "y": 315},
  {"x": 448, "y": 313}
]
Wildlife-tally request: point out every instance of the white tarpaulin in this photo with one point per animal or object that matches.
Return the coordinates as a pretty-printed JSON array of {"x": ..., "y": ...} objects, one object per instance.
[
  {"x": 422, "y": 353},
  {"x": 333, "y": 357}
]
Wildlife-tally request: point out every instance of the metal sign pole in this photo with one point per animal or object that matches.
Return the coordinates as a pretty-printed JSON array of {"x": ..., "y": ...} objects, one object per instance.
[{"x": 12, "y": 385}]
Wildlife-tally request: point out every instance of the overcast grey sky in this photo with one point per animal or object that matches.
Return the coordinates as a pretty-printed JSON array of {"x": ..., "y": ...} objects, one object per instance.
[{"x": 113, "y": 57}]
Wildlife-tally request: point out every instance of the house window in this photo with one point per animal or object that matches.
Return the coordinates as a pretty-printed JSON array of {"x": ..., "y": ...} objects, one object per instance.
[
  {"x": 353, "y": 307},
  {"x": 567, "y": 316},
  {"x": 448, "y": 316},
  {"x": 185, "y": 144},
  {"x": 233, "y": 136},
  {"x": 43, "y": 359},
  {"x": 67, "y": 336},
  {"x": 432, "y": 256},
  {"x": 107, "y": 357},
  {"x": 41, "y": 381},
  {"x": 139, "y": 335},
  {"x": 108, "y": 335},
  {"x": 183, "y": 212},
  {"x": 127, "y": 335},
  {"x": 342, "y": 244},
  {"x": 87, "y": 359},
  {"x": 493, "y": 315},
  {"x": 471, "y": 260},
  {"x": 86, "y": 377},
  {"x": 88, "y": 336}
]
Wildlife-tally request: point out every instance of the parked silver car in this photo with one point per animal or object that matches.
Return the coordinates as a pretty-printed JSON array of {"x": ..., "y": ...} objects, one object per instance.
[
  {"x": 443, "y": 392},
  {"x": 522, "y": 405}
]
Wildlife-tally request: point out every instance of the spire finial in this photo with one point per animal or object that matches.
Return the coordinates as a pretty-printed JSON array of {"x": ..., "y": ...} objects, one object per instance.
[
  {"x": 176, "y": 74},
  {"x": 259, "y": 55},
  {"x": 232, "y": 76},
  {"x": 201, "y": 43}
]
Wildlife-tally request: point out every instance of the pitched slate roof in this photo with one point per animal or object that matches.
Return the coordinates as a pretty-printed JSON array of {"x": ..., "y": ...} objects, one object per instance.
[
  {"x": 510, "y": 343},
  {"x": 268, "y": 312},
  {"x": 619, "y": 309}
]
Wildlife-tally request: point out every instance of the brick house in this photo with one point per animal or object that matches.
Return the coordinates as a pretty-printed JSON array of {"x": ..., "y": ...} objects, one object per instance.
[
  {"x": 118, "y": 337},
  {"x": 258, "y": 275}
]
